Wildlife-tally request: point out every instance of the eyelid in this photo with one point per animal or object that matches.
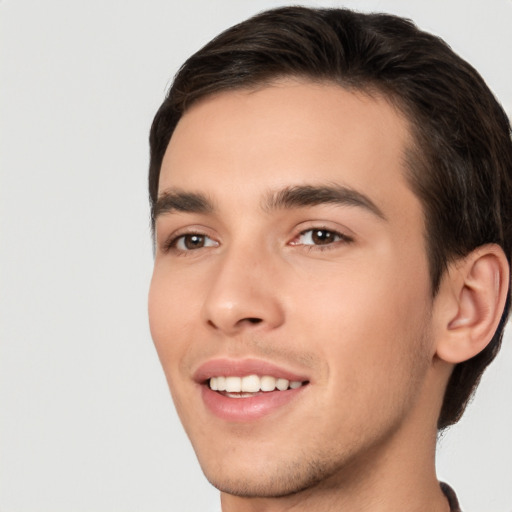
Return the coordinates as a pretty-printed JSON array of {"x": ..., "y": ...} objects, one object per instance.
[
  {"x": 343, "y": 238},
  {"x": 169, "y": 243}
]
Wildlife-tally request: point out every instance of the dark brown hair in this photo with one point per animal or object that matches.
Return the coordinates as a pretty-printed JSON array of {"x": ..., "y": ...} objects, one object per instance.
[{"x": 460, "y": 165}]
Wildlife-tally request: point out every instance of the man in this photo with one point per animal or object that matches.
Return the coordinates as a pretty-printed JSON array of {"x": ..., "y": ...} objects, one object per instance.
[{"x": 331, "y": 202}]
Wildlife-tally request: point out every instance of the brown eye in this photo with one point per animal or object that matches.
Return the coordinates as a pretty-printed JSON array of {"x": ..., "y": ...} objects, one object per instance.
[
  {"x": 193, "y": 241},
  {"x": 317, "y": 236},
  {"x": 322, "y": 236}
]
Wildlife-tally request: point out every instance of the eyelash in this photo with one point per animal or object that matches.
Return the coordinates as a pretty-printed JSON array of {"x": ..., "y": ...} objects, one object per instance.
[
  {"x": 341, "y": 239},
  {"x": 172, "y": 243}
]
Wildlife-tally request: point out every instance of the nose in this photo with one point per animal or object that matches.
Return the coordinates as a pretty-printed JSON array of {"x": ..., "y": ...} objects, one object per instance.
[{"x": 243, "y": 293}]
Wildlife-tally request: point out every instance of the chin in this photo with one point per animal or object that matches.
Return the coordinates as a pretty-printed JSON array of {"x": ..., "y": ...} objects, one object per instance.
[
  {"x": 274, "y": 479},
  {"x": 264, "y": 486}
]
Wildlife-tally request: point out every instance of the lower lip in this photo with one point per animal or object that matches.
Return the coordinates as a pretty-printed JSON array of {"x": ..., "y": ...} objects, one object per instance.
[{"x": 249, "y": 408}]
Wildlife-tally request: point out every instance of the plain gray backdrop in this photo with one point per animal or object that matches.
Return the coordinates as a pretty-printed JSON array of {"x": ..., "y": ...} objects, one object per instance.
[{"x": 86, "y": 421}]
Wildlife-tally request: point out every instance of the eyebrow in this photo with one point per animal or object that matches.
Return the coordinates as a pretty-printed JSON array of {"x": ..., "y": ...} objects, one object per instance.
[
  {"x": 308, "y": 195},
  {"x": 178, "y": 201},
  {"x": 299, "y": 196}
]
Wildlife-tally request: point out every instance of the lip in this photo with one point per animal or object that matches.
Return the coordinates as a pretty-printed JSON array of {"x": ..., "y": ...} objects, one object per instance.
[
  {"x": 243, "y": 367},
  {"x": 248, "y": 409}
]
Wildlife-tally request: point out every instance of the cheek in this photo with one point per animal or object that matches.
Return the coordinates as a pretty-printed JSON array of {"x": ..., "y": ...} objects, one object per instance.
[
  {"x": 171, "y": 330},
  {"x": 367, "y": 318},
  {"x": 169, "y": 316}
]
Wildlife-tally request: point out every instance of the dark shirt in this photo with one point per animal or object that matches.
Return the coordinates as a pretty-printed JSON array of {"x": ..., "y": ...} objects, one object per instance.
[{"x": 451, "y": 497}]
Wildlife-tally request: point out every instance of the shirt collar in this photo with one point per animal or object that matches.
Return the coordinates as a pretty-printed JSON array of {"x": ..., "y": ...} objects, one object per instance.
[{"x": 451, "y": 497}]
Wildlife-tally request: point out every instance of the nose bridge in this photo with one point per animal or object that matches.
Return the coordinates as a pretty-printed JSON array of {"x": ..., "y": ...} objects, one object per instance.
[{"x": 243, "y": 294}]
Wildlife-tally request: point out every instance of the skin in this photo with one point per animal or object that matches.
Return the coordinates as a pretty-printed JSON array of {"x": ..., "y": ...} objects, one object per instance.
[{"x": 356, "y": 314}]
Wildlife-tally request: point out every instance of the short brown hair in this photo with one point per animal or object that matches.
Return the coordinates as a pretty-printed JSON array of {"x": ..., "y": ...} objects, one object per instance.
[{"x": 461, "y": 164}]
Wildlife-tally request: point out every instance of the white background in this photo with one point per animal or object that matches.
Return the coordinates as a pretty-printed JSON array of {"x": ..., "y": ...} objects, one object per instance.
[{"x": 86, "y": 422}]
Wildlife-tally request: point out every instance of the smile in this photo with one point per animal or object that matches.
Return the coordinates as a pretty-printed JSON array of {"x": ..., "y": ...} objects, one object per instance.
[
  {"x": 246, "y": 386},
  {"x": 247, "y": 390}
]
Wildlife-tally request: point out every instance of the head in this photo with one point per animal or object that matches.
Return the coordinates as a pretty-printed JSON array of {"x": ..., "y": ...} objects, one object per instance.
[
  {"x": 460, "y": 156},
  {"x": 330, "y": 192}
]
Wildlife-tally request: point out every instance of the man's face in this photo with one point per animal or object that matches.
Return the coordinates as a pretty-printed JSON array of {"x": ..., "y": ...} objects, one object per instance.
[{"x": 290, "y": 247}]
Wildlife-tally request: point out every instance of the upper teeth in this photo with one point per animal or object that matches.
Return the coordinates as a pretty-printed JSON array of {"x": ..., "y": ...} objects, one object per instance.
[{"x": 251, "y": 384}]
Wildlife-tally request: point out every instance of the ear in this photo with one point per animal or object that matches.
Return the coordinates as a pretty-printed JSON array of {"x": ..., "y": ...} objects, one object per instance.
[{"x": 470, "y": 303}]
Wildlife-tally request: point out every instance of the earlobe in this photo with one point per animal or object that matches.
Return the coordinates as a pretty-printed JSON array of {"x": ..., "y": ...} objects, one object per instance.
[{"x": 471, "y": 302}]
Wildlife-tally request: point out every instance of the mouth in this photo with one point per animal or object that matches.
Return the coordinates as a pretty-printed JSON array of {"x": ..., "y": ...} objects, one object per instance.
[
  {"x": 247, "y": 390},
  {"x": 251, "y": 385}
]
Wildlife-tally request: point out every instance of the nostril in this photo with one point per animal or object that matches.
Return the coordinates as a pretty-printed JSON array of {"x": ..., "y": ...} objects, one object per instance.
[{"x": 239, "y": 324}]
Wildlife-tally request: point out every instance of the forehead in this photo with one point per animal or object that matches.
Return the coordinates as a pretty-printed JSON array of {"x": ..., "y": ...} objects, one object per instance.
[{"x": 290, "y": 133}]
